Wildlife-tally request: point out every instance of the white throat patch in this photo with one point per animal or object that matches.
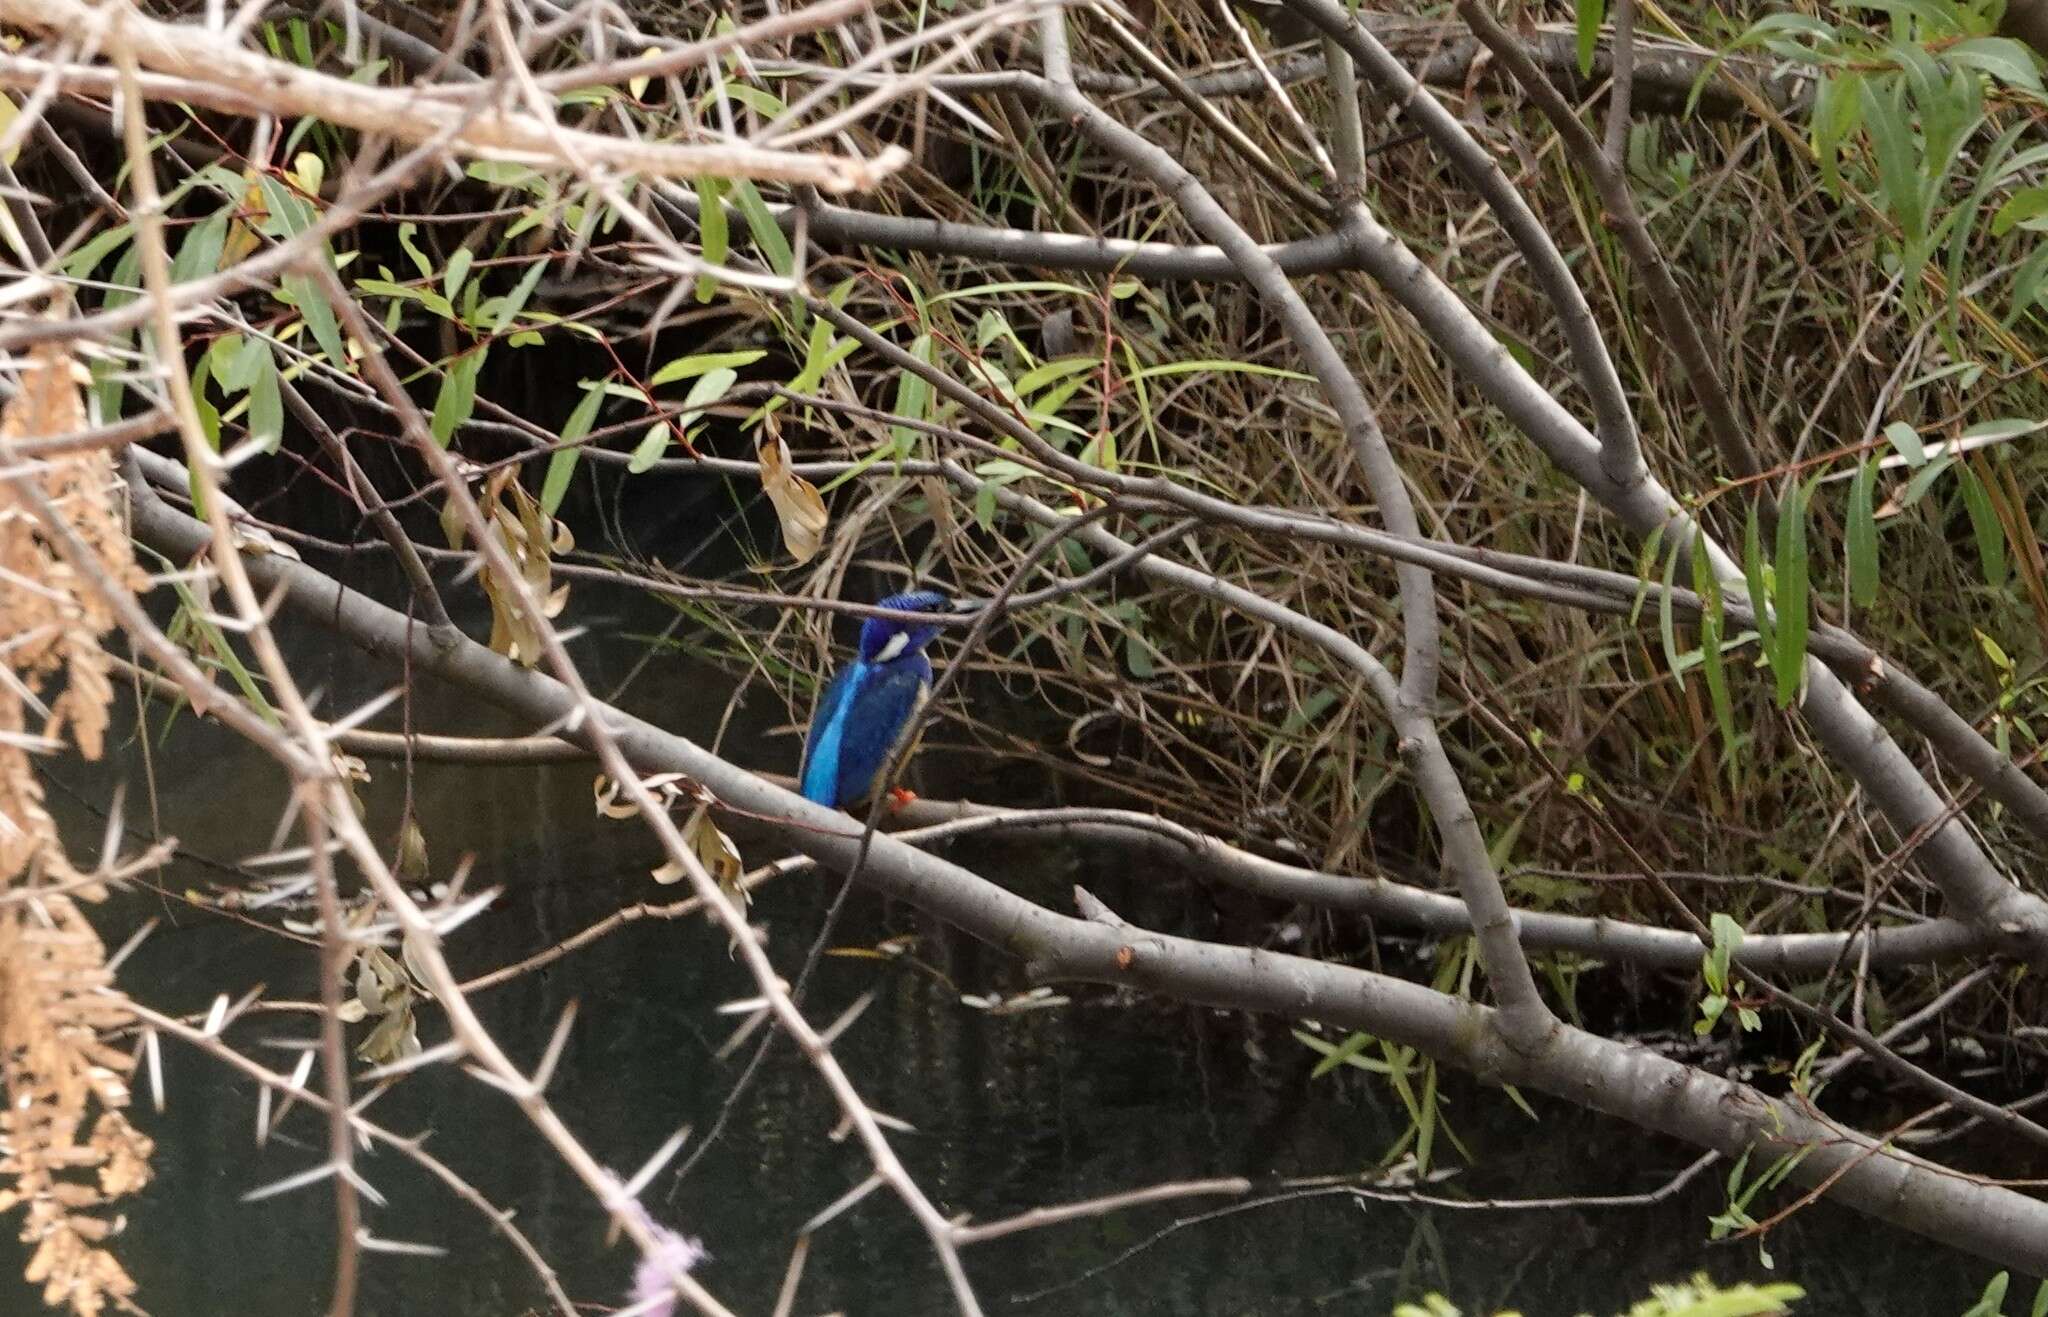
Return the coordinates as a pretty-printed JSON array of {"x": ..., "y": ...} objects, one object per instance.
[{"x": 894, "y": 647}]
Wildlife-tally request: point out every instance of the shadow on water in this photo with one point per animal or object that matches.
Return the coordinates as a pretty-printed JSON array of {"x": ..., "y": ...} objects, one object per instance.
[{"x": 1010, "y": 1111}]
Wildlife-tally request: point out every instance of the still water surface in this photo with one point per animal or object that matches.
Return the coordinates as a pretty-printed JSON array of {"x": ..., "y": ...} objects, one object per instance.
[{"x": 1011, "y": 1112}]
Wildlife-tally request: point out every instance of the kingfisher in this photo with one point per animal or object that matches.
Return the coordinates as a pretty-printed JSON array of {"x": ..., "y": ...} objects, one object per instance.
[{"x": 868, "y": 707}]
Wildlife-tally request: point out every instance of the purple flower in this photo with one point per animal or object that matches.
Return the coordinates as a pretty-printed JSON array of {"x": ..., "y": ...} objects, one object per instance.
[{"x": 672, "y": 1252}]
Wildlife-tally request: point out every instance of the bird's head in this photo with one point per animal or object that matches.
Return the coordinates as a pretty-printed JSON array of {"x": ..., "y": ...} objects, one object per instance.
[{"x": 883, "y": 641}]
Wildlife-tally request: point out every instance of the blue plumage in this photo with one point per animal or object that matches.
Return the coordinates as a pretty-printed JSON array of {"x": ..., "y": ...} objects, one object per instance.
[{"x": 868, "y": 706}]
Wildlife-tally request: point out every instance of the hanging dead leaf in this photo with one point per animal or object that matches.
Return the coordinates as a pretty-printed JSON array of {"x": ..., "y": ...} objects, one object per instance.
[
  {"x": 412, "y": 853},
  {"x": 530, "y": 538},
  {"x": 720, "y": 858},
  {"x": 255, "y": 541},
  {"x": 608, "y": 803},
  {"x": 798, "y": 504},
  {"x": 242, "y": 240},
  {"x": 672, "y": 789}
]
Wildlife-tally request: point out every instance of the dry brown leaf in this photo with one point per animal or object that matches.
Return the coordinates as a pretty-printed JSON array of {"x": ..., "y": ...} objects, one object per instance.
[
  {"x": 530, "y": 538},
  {"x": 242, "y": 240},
  {"x": 798, "y": 505},
  {"x": 66, "y": 1147}
]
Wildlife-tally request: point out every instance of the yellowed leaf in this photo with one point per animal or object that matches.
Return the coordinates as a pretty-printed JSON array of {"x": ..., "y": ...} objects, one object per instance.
[
  {"x": 798, "y": 504},
  {"x": 242, "y": 240},
  {"x": 720, "y": 858},
  {"x": 9, "y": 112}
]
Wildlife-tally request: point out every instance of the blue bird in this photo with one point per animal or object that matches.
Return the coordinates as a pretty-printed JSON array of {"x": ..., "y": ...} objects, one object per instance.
[{"x": 868, "y": 707}]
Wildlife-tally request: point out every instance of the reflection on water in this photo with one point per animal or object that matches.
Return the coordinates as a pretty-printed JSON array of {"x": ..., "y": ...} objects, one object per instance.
[{"x": 1010, "y": 1112}]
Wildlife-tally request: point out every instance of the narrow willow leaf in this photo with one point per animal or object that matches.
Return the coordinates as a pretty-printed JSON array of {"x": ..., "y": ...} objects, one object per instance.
[
  {"x": 1907, "y": 440},
  {"x": 1984, "y": 521},
  {"x": 913, "y": 398},
  {"x": 458, "y": 269},
  {"x": 798, "y": 504},
  {"x": 1898, "y": 162},
  {"x": 684, "y": 368},
  {"x": 1712, "y": 663},
  {"x": 266, "y": 402},
  {"x": 515, "y": 301},
  {"x": 1837, "y": 110},
  {"x": 1916, "y": 488},
  {"x": 761, "y": 224},
  {"x": 1788, "y": 653},
  {"x": 562, "y": 462},
  {"x": 199, "y": 253},
  {"x": 650, "y": 448},
  {"x": 1341, "y": 1054},
  {"x": 1863, "y": 537},
  {"x": 412, "y": 249},
  {"x": 1591, "y": 13},
  {"x": 713, "y": 231},
  {"x": 2026, "y": 286},
  {"x": 1753, "y": 575},
  {"x": 455, "y": 402},
  {"x": 1667, "y": 625},
  {"x": 318, "y": 315}
]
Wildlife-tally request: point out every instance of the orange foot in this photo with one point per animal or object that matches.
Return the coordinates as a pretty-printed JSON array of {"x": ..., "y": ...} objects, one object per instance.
[{"x": 900, "y": 799}]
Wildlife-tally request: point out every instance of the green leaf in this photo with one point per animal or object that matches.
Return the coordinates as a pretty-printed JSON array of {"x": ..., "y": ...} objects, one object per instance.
[
  {"x": 266, "y": 402},
  {"x": 562, "y": 462},
  {"x": 1837, "y": 111},
  {"x": 2003, "y": 58},
  {"x": 1992, "y": 1302},
  {"x": 455, "y": 402},
  {"x": 419, "y": 258},
  {"x": 2006, "y": 427},
  {"x": 199, "y": 254},
  {"x": 458, "y": 269},
  {"x": 209, "y": 415},
  {"x": 1591, "y": 13},
  {"x": 1923, "y": 480},
  {"x": 1984, "y": 521},
  {"x": 767, "y": 234},
  {"x": 684, "y": 368},
  {"x": 1031, "y": 381},
  {"x": 1667, "y": 627},
  {"x": 1211, "y": 365},
  {"x": 313, "y": 308},
  {"x": 713, "y": 231},
  {"x": 2021, "y": 208},
  {"x": 1898, "y": 160},
  {"x": 709, "y": 388},
  {"x": 1340, "y": 1054},
  {"x": 1753, "y": 575},
  {"x": 83, "y": 262},
  {"x": 1713, "y": 663},
  {"x": 648, "y": 451},
  {"x": 1788, "y": 653},
  {"x": 2026, "y": 285},
  {"x": 1907, "y": 440},
  {"x": 289, "y": 214},
  {"x": 515, "y": 301},
  {"x": 913, "y": 398},
  {"x": 1862, "y": 536}
]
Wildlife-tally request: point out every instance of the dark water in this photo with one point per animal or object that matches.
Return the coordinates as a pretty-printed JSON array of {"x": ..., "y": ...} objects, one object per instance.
[{"x": 1010, "y": 1111}]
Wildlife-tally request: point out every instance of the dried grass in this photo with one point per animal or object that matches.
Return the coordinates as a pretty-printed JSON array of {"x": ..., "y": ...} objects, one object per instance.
[{"x": 65, "y": 1142}]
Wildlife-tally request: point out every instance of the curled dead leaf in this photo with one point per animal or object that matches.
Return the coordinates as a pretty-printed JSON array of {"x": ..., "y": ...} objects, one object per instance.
[
  {"x": 798, "y": 505},
  {"x": 720, "y": 858}
]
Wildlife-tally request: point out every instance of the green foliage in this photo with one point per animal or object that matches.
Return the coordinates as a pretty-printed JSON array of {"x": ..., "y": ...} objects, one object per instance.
[
  {"x": 1698, "y": 1297},
  {"x": 1744, "y": 1190},
  {"x": 1721, "y": 991},
  {"x": 1992, "y": 1302}
]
